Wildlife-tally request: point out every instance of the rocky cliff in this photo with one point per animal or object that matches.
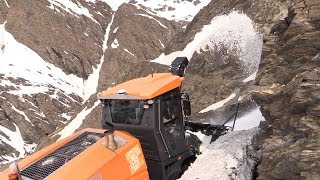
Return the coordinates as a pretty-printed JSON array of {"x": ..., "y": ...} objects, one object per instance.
[
  {"x": 288, "y": 91},
  {"x": 83, "y": 39}
]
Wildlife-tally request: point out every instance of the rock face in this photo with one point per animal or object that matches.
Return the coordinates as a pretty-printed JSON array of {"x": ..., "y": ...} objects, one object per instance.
[
  {"x": 58, "y": 36},
  {"x": 288, "y": 91},
  {"x": 287, "y": 84},
  {"x": 134, "y": 36}
]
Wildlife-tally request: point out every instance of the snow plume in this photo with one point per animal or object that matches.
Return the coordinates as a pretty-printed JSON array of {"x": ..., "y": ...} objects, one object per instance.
[
  {"x": 231, "y": 156},
  {"x": 218, "y": 104},
  {"x": 234, "y": 31}
]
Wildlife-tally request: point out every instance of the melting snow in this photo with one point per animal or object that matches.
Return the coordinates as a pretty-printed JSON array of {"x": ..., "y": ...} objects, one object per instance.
[
  {"x": 22, "y": 113},
  {"x": 15, "y": 140},
  {"x": 115, "y": 43},
  {"x": 76, "y": 122},
  {"x": 17, "y": 60},
  {"x": 72, "y": 8},
  {"x": 126, "y": 50},
  {"x": 91, "y": 84},
  {"x": 218, "y": 104},
  {"x": 171, "y": 10},
  {"x": 150, "y": 17},
  {"x": 251, "y": 77}
]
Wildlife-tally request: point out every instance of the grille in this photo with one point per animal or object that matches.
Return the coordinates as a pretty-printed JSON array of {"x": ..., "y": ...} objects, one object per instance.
[{"x": 53, "y": 161}]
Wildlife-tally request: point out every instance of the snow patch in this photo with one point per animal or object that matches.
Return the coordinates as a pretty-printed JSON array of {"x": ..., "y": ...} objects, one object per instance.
[
  {"x": 252, "y": 77},
  {"x": 171, "y": 10},
  {"x": 161, "y": 43},
  {"x": 115, "y": 30},
  {"x": 22, "y": 113},
  {"x": 115, "y": 43},
  {"x": 218, "y": 104},
  {"x": 72, "y": 8},
  {"x": 17, "y": 61},
  {"x": 126, "y": 50},
  {"x": 76, "y": 122},
  {"x": 91, "y": 84},
  {"x": 15, "y": 140},
  {"x": 150, "y": 17},
  {"x": 5, "y": 1}
]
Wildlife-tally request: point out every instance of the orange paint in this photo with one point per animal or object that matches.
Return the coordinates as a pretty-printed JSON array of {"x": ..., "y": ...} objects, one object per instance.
[
  {"x": 95, "y": 162},
  {"x": 146, "y": 87}
]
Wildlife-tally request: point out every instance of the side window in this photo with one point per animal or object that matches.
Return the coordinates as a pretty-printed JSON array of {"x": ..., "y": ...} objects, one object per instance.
[{"x": 171, "y": 114}]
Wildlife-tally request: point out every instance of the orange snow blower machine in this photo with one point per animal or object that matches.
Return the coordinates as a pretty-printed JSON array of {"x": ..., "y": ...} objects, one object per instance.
[{"x": 143, "y": 137}]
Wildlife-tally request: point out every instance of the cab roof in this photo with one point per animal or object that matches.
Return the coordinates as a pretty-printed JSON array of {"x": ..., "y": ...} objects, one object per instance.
[{"x": 143, "y": 88}]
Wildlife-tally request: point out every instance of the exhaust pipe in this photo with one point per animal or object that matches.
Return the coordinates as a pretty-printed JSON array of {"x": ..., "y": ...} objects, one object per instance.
[
  {"x": 110, "y": 141},
  {"x": 15, "y": 174}
]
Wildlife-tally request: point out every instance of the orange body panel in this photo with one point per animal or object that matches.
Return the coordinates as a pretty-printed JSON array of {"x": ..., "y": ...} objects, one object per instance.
[
  {"x": 146, "y": 87},
  {"x": 96, "y": 162}
]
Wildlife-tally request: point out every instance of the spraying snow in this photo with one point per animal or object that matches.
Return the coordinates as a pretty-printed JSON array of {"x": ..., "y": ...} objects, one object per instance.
[
  {"x": 234, "y": 31},
  {"x": 218, "y": 104},
  {"x": 249, "y": 120}
]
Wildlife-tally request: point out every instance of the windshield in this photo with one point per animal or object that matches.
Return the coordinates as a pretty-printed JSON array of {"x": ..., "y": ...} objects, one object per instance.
[{"x": 126, "y": 111}]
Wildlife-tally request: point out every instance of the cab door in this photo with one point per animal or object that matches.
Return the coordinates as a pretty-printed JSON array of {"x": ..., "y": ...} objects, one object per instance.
[{"x": 171, "y": 122}]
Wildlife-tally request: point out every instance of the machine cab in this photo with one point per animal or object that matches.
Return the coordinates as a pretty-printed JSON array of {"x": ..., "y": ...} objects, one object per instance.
[{"x": 150, "y": 108}]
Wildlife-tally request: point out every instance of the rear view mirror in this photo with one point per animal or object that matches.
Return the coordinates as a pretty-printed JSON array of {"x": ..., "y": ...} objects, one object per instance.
[{"x": 186, "y": 104}]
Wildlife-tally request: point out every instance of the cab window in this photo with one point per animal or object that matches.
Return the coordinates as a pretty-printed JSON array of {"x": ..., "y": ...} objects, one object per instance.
[{"x": 126, "y": 111}]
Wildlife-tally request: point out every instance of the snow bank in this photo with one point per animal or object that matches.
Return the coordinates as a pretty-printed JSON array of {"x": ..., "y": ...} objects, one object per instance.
[
  {"x": 231, "y": 156},
  {"x": 71, "y": 7}
]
